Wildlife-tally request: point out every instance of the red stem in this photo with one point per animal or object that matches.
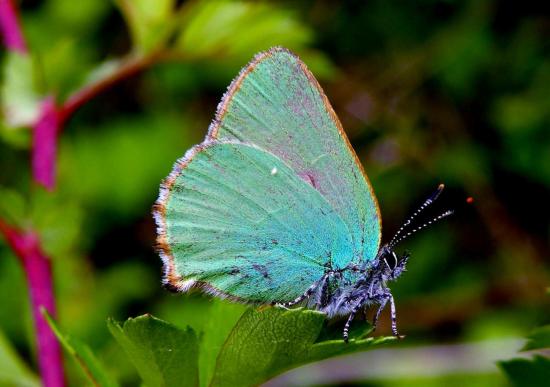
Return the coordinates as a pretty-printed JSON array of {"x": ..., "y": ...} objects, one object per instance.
[
  {"x": 44, "y": 146},
  {"x": 39, "y": 276},
  {"x": 9, "y": 27},
  {"x": 131, "y": 66}
]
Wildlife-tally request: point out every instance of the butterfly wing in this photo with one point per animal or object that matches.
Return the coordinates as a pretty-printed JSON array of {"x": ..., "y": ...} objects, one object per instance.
[
  {"x": 237, "y": 221},
  {"x": 277, "y": 104}
]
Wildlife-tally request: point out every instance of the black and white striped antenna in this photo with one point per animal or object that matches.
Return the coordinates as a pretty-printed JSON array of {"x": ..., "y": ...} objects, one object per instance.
[
  {"x": 398, "y": 237},
  {"x": 394, "y": 241}
]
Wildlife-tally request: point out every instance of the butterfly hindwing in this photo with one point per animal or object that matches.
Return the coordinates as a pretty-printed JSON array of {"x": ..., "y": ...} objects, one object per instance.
[
  {"x": 238, "y": 221},
  {"x": 277, "y": 104}
]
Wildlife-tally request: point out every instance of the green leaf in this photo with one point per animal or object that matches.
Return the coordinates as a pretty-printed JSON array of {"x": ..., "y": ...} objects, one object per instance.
[
  {"x": 13, "y": 371},
  {"x": 266, "y": 342},
  {"x": 218, "y": 323},
  {"x": 163, "y": 354},
  {"x": 83, "y": 355},
  {"x": 238, "y": 29},
  {"x": 150, "y": 22},
  {"x": 527, "y": 372},
  {"x": 234, "y": 348},
  {"x": 538, "y": 339},
  {"x": 102, "y": 71},
  {"x": 19, "y": 95}
]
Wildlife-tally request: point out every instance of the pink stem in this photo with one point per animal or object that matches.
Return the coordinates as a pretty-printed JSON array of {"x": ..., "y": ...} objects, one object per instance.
[
  {"x": 46, "y": 127},
  {"x": 52, "y": 119},
  {"x": 9, "y": 27},
  {"x": 44, "y": 147},
  {"x": 39, "y": 276}
]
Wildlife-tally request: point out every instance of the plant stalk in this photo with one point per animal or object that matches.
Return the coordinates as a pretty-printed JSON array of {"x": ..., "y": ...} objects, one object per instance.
[{"x": 37, "y": 266}]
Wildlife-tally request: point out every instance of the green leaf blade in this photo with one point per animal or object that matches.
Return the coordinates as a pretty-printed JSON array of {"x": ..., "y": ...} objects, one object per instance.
[
  {"x": 527, "y": 372},
  {"x": 84, "y": 356},
  {"x": 163, "y": 354},
  {"x": 13, "y": 370},
  {"x": 150, "y": 22},
  {"x": 331, "y": 348},
  {"x": 538, "y": 339},
  {"x": 238, "y": 29},
  {"x": 266, "y": 342},
  {"x": 220, "y": 320}
]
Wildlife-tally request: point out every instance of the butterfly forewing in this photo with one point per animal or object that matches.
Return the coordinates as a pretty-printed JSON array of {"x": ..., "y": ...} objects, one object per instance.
[{"x": 277, "y": 105}]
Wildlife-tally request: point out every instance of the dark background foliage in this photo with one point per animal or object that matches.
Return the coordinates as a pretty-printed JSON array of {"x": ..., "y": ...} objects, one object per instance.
[{"x": 428, "y": 92}]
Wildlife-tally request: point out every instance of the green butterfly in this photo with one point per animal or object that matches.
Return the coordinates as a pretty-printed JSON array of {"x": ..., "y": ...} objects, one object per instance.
[{"x": 274, "y": 205}]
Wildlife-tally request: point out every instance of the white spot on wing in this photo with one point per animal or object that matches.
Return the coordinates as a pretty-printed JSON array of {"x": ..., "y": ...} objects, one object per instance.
[{"x": 274, "y": 171}]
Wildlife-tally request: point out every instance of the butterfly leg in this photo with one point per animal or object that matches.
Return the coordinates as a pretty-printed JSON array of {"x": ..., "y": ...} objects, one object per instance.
[
  {"x": 321, "y": 297},
  {"x": 377, "y": 315},
  {"x": 307, "y": 293},
  {"x": 393, "y": 315},
  {"x": 350, "y": 318}
]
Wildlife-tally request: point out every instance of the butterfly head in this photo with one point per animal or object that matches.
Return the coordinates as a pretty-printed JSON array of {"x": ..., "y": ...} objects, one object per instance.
[{"x": 391, "y": 265}]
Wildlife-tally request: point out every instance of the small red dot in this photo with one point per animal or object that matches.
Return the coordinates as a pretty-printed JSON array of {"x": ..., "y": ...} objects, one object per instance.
[{"x": 470, "y": 200}]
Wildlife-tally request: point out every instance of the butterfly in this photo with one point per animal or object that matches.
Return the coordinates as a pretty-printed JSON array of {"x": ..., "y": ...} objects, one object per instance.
[{"x": 274, "y": 206}]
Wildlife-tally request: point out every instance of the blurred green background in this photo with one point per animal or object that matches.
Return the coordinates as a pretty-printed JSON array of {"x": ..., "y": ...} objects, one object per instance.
[{"x": 428, "y": 92}]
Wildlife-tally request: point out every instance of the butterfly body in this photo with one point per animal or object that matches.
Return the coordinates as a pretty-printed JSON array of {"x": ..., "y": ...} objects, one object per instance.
[{"x": 274, "y": 206}]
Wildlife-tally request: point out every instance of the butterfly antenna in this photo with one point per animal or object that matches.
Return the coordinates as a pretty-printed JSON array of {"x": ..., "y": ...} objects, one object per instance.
[
  {"x": 408, "y": 234},
  {"x": 433, "y": 197}
]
